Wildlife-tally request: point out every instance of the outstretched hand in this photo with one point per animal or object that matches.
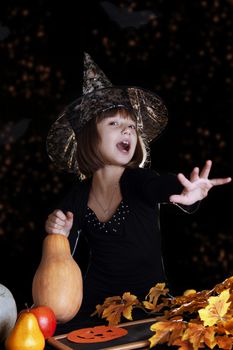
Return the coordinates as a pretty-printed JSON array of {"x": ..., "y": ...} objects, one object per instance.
[{"x": 198, "y": 186}]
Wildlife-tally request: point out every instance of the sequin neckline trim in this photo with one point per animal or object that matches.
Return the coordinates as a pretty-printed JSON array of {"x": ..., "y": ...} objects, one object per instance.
[{"x": 113, "y": 224}]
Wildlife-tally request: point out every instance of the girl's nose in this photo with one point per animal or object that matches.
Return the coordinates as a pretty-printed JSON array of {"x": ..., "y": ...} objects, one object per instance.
[{"x": 126, "y": 130}]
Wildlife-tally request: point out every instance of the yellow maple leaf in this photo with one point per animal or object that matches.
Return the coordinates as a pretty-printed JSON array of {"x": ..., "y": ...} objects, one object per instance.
[{"x": 216, "y": 309}]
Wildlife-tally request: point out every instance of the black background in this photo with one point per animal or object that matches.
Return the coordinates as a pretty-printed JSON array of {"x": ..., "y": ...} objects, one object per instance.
[{"x": 181, "y": 50}]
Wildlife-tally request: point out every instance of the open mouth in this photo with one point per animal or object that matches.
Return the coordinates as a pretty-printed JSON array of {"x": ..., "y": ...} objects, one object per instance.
[{"x": 123, "y": 146}]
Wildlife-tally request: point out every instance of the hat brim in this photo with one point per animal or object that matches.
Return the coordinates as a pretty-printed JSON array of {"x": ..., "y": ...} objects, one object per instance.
[{"x": 148, "y": 107}]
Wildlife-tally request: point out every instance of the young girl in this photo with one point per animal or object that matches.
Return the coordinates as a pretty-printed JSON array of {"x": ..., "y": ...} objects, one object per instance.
[{"x": 116, "y": 206}]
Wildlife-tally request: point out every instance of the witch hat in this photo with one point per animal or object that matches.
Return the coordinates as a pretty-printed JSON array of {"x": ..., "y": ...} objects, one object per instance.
[{"x": 98, "y": 96}]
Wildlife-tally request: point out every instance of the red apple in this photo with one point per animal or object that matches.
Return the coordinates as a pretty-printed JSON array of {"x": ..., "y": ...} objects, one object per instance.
[{"x": 46, "y": 319}]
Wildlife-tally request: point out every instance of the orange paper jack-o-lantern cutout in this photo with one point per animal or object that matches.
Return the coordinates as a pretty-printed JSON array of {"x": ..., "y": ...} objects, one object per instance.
[{"x": 96, "y": 334}]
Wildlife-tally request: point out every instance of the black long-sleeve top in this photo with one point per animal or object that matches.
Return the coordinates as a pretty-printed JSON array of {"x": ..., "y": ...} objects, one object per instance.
[{"x": 125, "y": 252}]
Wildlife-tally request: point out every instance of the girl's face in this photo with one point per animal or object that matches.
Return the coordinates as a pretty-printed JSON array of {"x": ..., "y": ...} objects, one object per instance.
[{"x": 118, "y": 139}]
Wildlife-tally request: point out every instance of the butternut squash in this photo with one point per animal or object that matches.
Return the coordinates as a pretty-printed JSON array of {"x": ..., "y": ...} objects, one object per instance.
[{"x": 57, "y": 282}]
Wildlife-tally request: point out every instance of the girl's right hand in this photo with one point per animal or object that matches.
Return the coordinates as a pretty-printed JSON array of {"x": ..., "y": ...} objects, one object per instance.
[{"x": 60, "y": 223}]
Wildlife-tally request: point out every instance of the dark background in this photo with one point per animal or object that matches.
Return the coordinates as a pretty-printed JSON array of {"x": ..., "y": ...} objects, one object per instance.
[{"x": 182, "y": 50}]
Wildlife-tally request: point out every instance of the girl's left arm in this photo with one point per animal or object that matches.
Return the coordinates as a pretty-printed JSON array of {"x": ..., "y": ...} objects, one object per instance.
[{"x": 197, "y": 187}]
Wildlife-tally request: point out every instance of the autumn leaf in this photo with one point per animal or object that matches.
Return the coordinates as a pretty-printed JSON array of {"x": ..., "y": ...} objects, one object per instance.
[
  {"x": 113, "y": 313},
  {"x": 155, "y": 292},
  {"x": 189, "y": 292},
  {"x": 197, "y": 334},
  {"x": 166, "y": 332},
  {"x": 190, "y": 307},
  {"x": 148, "y": 305},
  {"x": 209, "y": 337},
  {"x": 226, "y": 284},
  {"x": 129, "y": 300},
  {"x": 195, "y": 297},
  {"x": 152, "y": 307},
  {"x": 194, "y": 334},
  {"x": 216, "y": 309},
  {"x": 225, "y": 342},
  {"x": 162, "y": 333},
  {"x": 183, "y": 344},
  {"x": 228, "y": 325},
  {"x": 124, "y": 306},
  {"x": 107, "y": 302},
  {"x": 178, "y": 328},
  {"x": 190, "y": 322}
]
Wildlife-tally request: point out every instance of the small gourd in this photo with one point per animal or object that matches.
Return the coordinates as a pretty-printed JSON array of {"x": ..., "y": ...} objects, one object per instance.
[{"x": 57, "y": 282}]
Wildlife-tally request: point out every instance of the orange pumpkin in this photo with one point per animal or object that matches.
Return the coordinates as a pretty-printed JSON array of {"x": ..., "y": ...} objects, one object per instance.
[{"x": 57, "y": 282}]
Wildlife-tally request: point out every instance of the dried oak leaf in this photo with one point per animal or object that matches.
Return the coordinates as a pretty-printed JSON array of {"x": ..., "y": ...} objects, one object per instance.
[
  {"x": 197, "y": 334},
  {"x": 216, "y": 309},
  {"x": 166, "y": 332},
  {"x": 124, "y": 306}
]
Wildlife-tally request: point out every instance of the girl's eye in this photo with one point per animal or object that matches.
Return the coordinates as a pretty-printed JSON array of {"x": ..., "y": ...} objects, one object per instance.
[
  {"x": 114, "y": 123},
  {"x": 132, "y": 127}
]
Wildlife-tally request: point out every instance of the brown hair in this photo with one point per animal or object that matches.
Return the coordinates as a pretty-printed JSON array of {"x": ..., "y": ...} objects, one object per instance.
[{"x": 89, "y": 160}]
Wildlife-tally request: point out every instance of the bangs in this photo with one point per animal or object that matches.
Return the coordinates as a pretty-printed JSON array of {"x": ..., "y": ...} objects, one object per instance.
[{"x": 122, "y": 111}]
